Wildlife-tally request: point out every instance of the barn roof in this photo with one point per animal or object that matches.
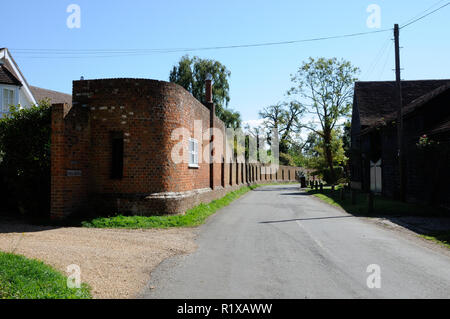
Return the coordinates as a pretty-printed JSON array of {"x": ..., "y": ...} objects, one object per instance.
[{"x": 377, "y": 101}]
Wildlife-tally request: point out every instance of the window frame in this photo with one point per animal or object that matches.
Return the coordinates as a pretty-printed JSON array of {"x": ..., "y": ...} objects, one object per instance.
[
  {"x": 10, "y": 96},
  {"x": 193, "y": 161}
]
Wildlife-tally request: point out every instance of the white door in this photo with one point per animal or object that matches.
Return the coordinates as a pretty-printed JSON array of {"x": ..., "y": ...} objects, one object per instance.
[{"x": 375, "y": 177}]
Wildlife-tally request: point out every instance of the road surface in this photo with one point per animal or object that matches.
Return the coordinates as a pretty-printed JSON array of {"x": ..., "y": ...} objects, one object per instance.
[{"x": 278, "y": 242}]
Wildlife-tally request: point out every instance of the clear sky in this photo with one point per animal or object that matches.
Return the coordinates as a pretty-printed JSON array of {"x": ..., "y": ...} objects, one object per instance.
[{"x": 259, "y": 76}]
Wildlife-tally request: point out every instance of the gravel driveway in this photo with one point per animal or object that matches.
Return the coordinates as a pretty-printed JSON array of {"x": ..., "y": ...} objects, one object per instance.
[{"x": 115, "y": 263}]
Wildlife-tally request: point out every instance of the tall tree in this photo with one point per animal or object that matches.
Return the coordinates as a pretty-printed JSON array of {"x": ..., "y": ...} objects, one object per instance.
[
  {"x": 191, "y": 73},
  {"x": 285, "y": 119},
  {"x": 327, "y": 84}
]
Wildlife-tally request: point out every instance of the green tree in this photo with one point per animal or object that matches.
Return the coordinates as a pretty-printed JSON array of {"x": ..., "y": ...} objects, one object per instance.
[
  {"x": 285, "y": 119},
  {"x": 191, "y": 73},
  {"x": 327, "y": 85}
]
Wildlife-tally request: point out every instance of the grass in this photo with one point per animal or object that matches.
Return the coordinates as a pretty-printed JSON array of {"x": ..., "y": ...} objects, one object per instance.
[
  {"x": 22, "y": 278},
  {"x": 382, "y": 205},
  {"x": 442, "y": 238},
  {"x": 385, "y": 207},
  {"x": 193, "y": 217}
]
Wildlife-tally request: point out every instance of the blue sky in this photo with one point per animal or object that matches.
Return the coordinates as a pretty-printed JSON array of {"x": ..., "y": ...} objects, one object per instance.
[{"x": 259, "y": 76}]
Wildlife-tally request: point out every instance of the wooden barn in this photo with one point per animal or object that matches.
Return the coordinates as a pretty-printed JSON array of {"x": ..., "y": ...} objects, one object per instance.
[{"x": 426, "y": 139}]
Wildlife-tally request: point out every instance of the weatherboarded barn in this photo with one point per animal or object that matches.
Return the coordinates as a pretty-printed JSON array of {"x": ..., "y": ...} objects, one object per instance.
[{"x": 426, "y": 120}]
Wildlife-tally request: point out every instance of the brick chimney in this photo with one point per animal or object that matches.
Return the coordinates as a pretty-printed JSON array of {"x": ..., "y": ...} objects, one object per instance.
[{"x": 208, "y": 84}]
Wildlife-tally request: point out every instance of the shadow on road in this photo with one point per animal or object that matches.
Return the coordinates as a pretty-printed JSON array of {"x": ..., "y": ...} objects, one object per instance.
[
  {"x": 421, "y": 219},
  {"x": 303, "y": 219}
]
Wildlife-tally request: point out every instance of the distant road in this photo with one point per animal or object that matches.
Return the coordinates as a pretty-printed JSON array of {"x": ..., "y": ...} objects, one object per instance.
[{"x": 278, "y": 242}]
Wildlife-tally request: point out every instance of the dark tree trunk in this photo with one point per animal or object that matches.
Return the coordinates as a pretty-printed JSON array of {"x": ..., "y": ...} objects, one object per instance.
[{"x": 329, "y": 153}]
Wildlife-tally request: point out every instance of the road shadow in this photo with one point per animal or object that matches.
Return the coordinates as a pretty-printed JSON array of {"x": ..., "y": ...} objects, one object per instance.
[
  {"x": 276, "y": 189},
  {"x": 303, "y": 219},
  {"x": 300, "y": 193},
  {"x": 10, "y": 224},
  {"x": 421, "y": 219}
]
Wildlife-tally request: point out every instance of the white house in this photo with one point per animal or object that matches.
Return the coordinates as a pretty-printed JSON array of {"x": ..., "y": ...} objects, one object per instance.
[{"x": 15, "y": 90}]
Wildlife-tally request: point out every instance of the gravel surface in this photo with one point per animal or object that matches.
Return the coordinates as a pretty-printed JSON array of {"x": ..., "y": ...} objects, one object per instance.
[{"x": 115, "y": 263}]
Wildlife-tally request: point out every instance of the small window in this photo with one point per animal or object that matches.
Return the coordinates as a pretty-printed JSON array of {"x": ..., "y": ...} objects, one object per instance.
[
  {"x": 117, "y": 155},
  {"x": 193, "y": 153},
  {"x": 8, "y": 99}
]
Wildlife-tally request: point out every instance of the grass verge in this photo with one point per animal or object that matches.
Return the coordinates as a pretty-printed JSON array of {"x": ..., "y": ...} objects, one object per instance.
[
  {"x": 442, "y": 238},
  {"x": 193, "y": 217},
  {"x": 385, "y": 207},
  {"x": 382, "y": 206},
  {"x": 22, "y": 278}
]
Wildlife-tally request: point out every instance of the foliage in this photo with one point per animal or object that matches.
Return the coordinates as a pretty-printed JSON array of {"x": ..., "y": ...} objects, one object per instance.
[
  {"x": 287, "y": 160},
  {"x": 285, "y": 119},
  {"x": 315, "y": 150},
  {"x": 327, "y": 85},
  {"x": 25, "y": 158},
  {"x": 328, "y": 176},
  {"x": 426, "y": 143},
  {"x": 295, "y": 152},
  {"x": 346, "y": 138},
  {"x": 22, "y": 278},
  {"x": 191, "y": 74}
]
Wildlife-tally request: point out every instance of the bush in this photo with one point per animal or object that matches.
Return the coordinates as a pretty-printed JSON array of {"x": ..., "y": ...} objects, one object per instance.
[
  {"x": 25, "y": 159},
  {"x": 339, "y": 175}
]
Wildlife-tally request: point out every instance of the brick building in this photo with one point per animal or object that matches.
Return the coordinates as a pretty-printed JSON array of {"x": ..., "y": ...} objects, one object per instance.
[
  {"x": 112, "y": 151},
  {"x": 374, "y": 159}
]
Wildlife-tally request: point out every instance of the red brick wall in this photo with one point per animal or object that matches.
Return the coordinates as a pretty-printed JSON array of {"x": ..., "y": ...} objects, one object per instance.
[{"x": 146, "y": 112}]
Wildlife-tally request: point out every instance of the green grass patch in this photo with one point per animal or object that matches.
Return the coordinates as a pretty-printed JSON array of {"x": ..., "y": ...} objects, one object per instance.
[
  {"x": 23, "y": 278},
  {"x": 193, "y": 217},
  {"x": 442, "y": 238},
  {"x": 382, "y": 205}
]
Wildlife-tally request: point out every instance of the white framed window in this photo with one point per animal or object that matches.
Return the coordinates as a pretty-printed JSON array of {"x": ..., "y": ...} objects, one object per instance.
[
  {"x": 8, "y": 99},
  {"x": 193, "y": 153}
]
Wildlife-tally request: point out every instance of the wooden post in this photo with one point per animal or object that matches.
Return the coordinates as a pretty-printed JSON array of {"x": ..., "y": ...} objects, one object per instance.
[
  {"x": 321, "y": 187},
  {"x": 342, "y": 194},
  {"x": 400, "y": 147}
]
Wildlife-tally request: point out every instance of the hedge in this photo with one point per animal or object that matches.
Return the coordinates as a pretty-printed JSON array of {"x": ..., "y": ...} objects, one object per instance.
[{"x": 25, "y": 160}]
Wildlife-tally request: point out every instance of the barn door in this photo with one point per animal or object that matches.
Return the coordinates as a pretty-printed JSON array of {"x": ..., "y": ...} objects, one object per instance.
[{"x": 375, "y": 177}]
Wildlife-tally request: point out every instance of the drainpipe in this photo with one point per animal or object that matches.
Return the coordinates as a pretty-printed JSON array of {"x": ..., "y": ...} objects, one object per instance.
[{"x": 212, "y": 112}]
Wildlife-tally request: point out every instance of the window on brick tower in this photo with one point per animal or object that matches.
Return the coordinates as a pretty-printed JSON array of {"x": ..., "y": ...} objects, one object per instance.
[
  {"x": 116, "y": 155},
  {"x": 193, "y": 153}
]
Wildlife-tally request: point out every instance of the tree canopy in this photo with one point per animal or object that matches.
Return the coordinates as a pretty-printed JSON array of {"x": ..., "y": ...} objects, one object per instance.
[
  {"x": 327, "y": 86},
  {"x": 285, "y": 119},
  {"x": 191, "y": 74}
]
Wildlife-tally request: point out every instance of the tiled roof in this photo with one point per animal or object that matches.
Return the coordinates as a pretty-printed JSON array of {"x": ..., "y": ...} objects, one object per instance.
[
  {"x": 54, "y": 96},
  {"x": 7, "y": 76},
  {"x": 377, "y": 101}
]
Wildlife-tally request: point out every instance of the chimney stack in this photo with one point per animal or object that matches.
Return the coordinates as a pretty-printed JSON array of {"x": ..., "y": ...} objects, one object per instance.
[{"x": 208, "y": 84}]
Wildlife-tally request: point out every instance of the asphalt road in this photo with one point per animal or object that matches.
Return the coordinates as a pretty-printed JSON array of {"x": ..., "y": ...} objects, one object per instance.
[{"x": 277, "y": 242}]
